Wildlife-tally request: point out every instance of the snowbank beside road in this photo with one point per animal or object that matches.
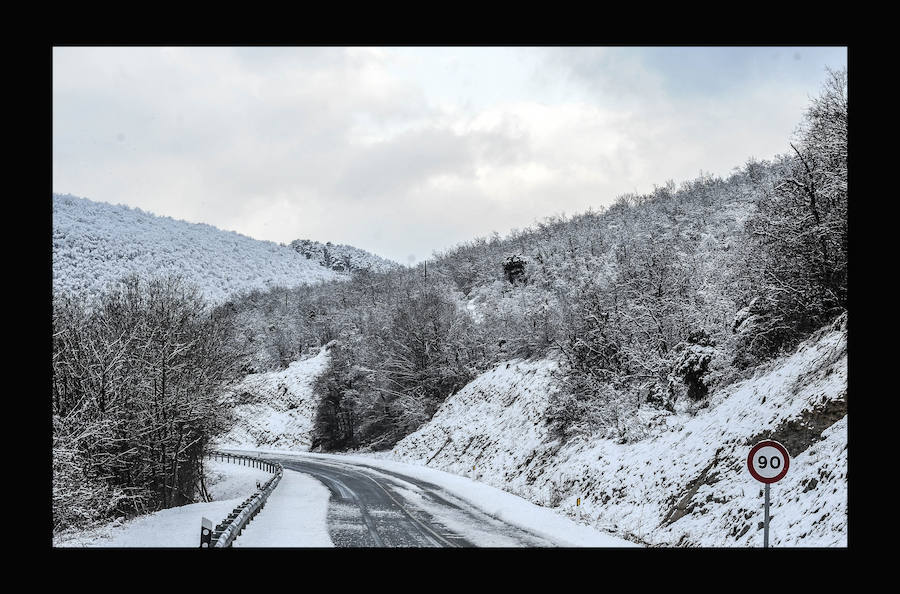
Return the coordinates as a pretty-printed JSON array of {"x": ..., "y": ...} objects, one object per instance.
[{"x": 294, "y": 516}]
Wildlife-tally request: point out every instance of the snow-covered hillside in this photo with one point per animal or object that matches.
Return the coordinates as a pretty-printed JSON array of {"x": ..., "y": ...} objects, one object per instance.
[
  {"x": 95, "y": 244},
  {"x": 686, "y": 483},
  {"x": 276, "y": 409}
]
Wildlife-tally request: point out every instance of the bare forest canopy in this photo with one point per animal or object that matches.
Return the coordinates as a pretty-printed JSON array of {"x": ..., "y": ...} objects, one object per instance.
[{"x": 660, "y": 298}]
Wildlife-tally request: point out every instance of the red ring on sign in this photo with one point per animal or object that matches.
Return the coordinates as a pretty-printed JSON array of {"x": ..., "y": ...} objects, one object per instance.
[{"x": 777, "y": 446}]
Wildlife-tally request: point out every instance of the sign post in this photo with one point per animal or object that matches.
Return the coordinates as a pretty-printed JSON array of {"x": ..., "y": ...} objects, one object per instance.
[{"x": 768, "y": 463}]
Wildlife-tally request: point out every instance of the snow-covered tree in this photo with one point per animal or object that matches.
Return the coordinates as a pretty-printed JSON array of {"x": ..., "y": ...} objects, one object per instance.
[{"x": 796, "y": 266}]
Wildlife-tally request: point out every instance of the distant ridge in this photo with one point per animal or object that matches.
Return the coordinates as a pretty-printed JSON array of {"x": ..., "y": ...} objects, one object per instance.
[
  {"x": 341, "y": 258},
  {"x": 95, "y": 244}
]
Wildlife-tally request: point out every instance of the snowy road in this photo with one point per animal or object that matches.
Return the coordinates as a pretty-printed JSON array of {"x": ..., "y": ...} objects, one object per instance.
[{"x": 372, "y": 507}]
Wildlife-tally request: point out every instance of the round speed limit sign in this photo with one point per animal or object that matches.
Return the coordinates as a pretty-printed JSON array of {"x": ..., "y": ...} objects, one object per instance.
[{"x": 768, "y": 461}]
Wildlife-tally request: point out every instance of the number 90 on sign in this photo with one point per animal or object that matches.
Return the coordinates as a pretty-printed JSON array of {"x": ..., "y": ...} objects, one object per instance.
[{"x": 768, "y": 461}]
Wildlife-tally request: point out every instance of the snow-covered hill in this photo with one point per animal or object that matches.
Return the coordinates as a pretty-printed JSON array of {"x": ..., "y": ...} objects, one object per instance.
[
  {"x": 276, "y": 409},
  {"x": 95, "y": 244},
  {"x": 686, "y": 483}
]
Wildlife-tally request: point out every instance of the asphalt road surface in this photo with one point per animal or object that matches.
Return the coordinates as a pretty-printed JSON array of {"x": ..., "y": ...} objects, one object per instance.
[{"x": 372, "y": 507}]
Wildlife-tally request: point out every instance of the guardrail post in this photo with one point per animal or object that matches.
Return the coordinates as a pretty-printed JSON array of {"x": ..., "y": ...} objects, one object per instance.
[
  {"x": 232, "y": 526},
  {"x": 205, "y": 533}
]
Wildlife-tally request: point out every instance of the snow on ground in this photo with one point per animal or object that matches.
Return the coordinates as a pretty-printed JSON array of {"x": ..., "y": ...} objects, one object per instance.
[
  {"x": 687, "y": 485},
  {"x": 95, "y": 244},
  {"x": 227, "y": 480},
  {"x": 501, "y": 412},
  {"x": 278, "y": 408},
  {"x": 294, "y": 516},
  {"x": 173, "y": 527},
  {"x": 229, "y": 485}
]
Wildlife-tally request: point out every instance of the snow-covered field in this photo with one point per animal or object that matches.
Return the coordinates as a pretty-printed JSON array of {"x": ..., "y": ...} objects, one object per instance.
[
  {"x": 229, "y": 485},
  {"x": 277, "y": 408},
  {"x": 95, "y": 244},
  {"x": 687, "y": 485}
]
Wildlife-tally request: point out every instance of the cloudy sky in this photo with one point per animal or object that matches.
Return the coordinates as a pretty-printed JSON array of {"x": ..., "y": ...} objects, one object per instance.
[{"x": 404, "y": 151}]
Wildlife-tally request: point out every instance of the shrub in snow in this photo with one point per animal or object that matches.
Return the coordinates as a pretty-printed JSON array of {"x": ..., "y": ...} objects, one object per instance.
[
  {"x": 693, "y": 365},
  {"x": 662, "y": 396},
  {"x": 514, "y": 269},
  {"x": 759, "y": 333},
  {"x": 79, "y": 499}
]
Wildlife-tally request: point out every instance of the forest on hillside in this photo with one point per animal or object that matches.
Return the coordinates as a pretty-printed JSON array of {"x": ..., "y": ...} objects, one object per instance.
[{"x": 654, "y": 301}]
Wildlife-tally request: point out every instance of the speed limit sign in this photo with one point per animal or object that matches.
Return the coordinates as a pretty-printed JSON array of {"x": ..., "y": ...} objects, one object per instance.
[{"x": 768, "y": 461}]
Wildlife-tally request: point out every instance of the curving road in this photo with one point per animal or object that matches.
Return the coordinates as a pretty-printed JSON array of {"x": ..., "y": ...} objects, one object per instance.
[{"x": 372, "y": 507}]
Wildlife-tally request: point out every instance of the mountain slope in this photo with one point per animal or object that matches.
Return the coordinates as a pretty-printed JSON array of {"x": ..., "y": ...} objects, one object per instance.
[
  {"x": 95, "y": 244},
  {"x": 686, "y": 482}
]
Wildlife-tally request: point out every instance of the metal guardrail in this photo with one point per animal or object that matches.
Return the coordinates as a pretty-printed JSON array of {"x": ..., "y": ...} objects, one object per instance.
[{"x": 230, "y": 528}]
